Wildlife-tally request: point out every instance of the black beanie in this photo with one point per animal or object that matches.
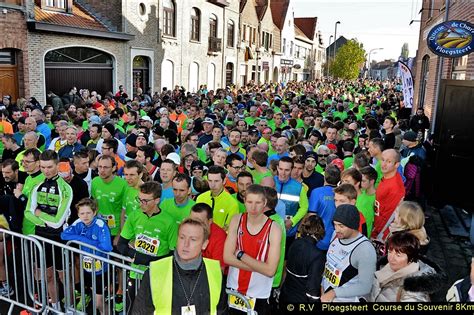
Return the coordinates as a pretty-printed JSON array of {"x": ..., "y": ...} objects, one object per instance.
[
  {"x": 110, "y": 128},
  {"x": 347, "y": 215}
]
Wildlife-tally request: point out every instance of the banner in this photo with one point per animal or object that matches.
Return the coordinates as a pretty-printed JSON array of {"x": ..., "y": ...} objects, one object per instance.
[{"x": 407, "y": 80}]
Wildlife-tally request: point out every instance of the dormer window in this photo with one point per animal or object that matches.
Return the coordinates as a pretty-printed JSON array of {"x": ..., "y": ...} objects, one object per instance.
[{"x": 57, "y": 5}]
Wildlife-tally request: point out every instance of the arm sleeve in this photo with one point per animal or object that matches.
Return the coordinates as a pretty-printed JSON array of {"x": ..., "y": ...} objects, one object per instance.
[
  {"x": 63, "y": 212},
  {"x": 143, "y": 304},
  {"x": 70, "y": 234},
  {"x": 364, "y": 260},
  {"x": 31, "y": 207},
  {"x": 303, "y": 209},
  {"x": 105, "y": 243},
  {"x": 315, "y": 275},
  {"x": 123, "y": 248},
  {"x": 313, "y": 200}
]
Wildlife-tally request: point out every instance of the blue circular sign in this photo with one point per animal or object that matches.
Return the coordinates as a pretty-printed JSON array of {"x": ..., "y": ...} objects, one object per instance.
[{"x": 451, "y": 39}]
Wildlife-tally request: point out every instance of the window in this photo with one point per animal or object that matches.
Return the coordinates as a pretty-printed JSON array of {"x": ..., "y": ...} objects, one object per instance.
[
  {"x": 425, "y": 68},
  {"x": 195, "y": 24},
  {"x": 244, "y": 32},
  {"x": 230, "y": 33},
  {"x": 56, "y": 4},
  {"x": 459, "y": 68},
  {"x": 291, "y": 48},
  {"x": 213, "y": 26},
  {"x": 168, "y": 18},
  {"x": 7, "y": 57},
  {"x": 284, "y": 45},
  {"x": 267, "y": 40}
]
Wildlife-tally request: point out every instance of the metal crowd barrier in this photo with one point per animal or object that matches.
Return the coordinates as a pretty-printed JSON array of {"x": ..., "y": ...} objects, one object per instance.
[
  {"x": 24, "y": 287},
  {"x": 83, "y": 293},
  {"x": 241, "y": 302}
]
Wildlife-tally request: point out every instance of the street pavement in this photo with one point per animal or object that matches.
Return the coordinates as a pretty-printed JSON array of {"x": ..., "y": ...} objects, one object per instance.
[{"x": 451, "y": 253}]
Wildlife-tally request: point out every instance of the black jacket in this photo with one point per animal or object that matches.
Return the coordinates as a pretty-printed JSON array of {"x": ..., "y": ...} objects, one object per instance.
[{"x": 304, "y": 272}]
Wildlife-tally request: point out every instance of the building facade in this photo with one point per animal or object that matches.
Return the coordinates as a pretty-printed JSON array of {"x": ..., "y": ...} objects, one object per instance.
[
  {"x": 151, "y": 45},
  {"x": 14, "y": 70},
  {"x": 283, "y": 17},
  {"x": 427, "y": 63},
  {"x": 70, "y": 46}
]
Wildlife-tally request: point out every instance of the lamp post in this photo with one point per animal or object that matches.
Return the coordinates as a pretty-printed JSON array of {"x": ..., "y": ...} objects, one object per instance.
[
  {"x": 370, "y": 52},
  {"x": 335, "y": 38},
  {"x": 328, "y": 56}
]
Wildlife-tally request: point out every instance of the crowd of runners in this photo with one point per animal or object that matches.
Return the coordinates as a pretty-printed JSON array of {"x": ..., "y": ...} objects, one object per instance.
[{"x": 285, "y": 193}]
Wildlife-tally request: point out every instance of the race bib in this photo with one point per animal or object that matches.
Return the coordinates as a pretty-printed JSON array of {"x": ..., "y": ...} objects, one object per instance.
[
  {"x": 332, "y": 274},
  {"x": 147, "y": 245},
  {"x": 87, "y": 264},
  {"x": 237, "y": 303},
  {"x": 110, "y": 218}
]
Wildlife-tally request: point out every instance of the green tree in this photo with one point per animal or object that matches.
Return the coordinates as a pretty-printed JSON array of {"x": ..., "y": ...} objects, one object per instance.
[{"x": 349, "y": 60}]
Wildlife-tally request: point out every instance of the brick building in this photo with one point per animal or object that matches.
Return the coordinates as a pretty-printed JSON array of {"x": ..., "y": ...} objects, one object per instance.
[
  {"x": 14, "y": 74},
  {"x": 70, "y": 46},
  {"x": 427, "y": 63}
]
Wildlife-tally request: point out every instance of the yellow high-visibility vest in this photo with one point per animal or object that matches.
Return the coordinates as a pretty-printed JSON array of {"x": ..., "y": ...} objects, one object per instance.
[{"x": 162, "y": 289}]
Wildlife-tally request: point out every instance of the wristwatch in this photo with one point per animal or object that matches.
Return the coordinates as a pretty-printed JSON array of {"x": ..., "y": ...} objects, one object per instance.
[{"x": 240, "y": 254}]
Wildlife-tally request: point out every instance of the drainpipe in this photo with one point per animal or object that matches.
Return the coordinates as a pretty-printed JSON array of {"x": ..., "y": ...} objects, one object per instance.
[
  {"x": 224, "y": 47},
  {"x": 438, "y": 77}
]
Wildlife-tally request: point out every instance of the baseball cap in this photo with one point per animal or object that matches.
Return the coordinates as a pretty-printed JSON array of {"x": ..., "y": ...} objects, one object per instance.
[
  {"x": 311, "y": 155},
  {"x": 240, "y": 106},
  {"x": 332, "y": 147},
  {"x": 173, "y": 156},
  {"x": 410, "y": 136},
  {"x": 64, "y": 169},
  {"x": 94, "y": 120},
  {"x": 146, "y": 118},
  {"x": 208, "y": 121},
  {"x": 339, "y": 164},
  {"x": 197, "y": 165}
]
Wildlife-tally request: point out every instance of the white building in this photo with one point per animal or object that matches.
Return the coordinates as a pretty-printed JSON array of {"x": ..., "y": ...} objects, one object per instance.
[
  {"x": 198, "y": 42},
  {"x": 283, "y": 17}
]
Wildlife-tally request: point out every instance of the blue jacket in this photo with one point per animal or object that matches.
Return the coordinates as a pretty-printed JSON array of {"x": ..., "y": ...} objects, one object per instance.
[
  {"x": 96, "y": 234},
  {"x": 290, "y": 193},
  {"x": 68, "y": 150},
  {"x": 46, "y": 132},
  {"x": 322, "y": 203}
]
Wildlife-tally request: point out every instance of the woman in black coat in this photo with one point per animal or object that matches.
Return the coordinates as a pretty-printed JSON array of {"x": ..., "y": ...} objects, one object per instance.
[{"x": 305, "y": 264}]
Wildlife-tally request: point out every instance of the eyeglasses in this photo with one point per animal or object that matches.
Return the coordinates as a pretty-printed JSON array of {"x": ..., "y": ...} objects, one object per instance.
[
  {"x": 323, "y": 155},
  {"x": 105, "y": 148},
  {"x": 143, "y": 201},
  {"x": 27, "y": 162},
  {"x": 238, "y": 167}
]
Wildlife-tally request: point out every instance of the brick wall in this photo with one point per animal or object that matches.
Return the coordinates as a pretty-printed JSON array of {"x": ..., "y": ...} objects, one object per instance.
[
  {"x": 40, "y": 43},
  {"x": 14, "y": 35},
  {"x": 459, "y": 10}
]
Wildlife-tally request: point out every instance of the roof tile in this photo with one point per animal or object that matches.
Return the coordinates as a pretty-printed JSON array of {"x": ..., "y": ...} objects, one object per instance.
[
  {"x": 307, "y": 26},
  {"x": 78, "y": 18}
]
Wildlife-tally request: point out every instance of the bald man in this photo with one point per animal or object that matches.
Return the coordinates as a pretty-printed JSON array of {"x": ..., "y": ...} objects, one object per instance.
[
  {"x": 30, "y": 141},
  {"x": 31, "y": 125},
  {"x": 281, "y": 147},
  {"x": 388, "y": 195}
]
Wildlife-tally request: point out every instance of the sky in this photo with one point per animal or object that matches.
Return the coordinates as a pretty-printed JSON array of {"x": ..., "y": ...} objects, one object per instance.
[{"x": 374, "y": 23}]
